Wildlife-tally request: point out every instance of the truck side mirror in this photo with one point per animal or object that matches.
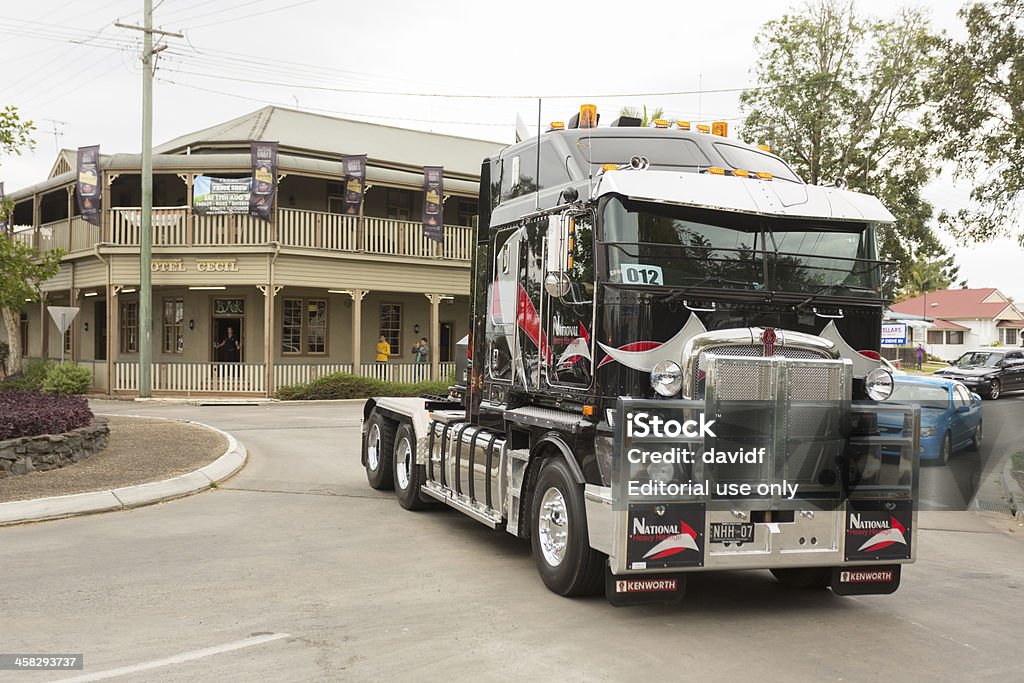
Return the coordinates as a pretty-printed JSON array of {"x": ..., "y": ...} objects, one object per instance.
[{"x": 556, "y": 276}]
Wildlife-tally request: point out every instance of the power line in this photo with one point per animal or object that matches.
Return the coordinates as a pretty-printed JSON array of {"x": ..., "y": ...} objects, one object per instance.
[{"x": 256, "y": 14}]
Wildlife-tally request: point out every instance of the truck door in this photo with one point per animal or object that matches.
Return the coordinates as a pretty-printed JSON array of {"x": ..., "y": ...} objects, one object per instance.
[
  {"x": 502, "y": 307},
  {"x": 569, "y": 319}
]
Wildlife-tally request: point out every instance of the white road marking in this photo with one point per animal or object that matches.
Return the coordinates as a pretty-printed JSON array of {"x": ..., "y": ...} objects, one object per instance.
[{"x": 178, "y": 659}]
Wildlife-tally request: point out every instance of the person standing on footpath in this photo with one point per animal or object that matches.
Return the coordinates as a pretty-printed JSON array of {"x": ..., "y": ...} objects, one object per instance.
[
  {"x": 920, "y": 356},
  {"x": 383, "y": 350}
]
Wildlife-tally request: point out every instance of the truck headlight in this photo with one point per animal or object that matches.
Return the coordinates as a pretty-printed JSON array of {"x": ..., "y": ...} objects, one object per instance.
[
  {"x": 667, "y": 378},
  {"x": 878, "y": 384}
]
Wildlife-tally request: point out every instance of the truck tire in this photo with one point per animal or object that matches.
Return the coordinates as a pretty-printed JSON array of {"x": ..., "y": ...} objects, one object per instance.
[
  {"x": 558, "y": 531},
  {"x": 378, "y": 446},
  {"x": 804, "y": 577},
  {"x": 408, "y": 476}
]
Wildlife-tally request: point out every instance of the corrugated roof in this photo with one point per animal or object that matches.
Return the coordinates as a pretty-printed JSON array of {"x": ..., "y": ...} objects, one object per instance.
[
  {"x": 954, "y": 303},
  {"x": 947, "y": 325},
  {"x": 317, "y": 133}
]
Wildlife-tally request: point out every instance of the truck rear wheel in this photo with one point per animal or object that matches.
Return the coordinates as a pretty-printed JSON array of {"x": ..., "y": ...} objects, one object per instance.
[
  {"x": 378, "y": 447},
  {"x": 408, "y": 476},
  {"x": 804, "y": 577},
  {"x": 561, "y": 545}
]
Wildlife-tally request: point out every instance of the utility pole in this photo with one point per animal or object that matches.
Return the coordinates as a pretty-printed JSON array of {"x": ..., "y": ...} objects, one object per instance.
[{"x": 146, "y": 223}]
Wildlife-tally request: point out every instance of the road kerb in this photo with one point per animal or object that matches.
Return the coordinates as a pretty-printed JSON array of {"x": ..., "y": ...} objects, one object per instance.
[
  {"x": 123, "y": 498},
  {"x": 1014, "y": 489}
]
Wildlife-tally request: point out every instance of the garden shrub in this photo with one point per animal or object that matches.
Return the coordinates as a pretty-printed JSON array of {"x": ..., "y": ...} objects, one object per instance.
[
  {"x": 30, "y": 413},
  {"x": 69, "y": 378},
  {"x": 344, "y": 385},
  {"x": 31, "y": 378}
]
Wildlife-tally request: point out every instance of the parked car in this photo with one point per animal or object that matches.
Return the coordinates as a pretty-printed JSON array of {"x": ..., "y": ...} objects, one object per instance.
[
  {"x": 990, "y": 372},
  {"x": 950, "y": 415}
]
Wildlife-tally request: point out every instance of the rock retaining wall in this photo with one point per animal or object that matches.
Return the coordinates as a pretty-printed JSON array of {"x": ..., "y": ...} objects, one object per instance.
[{"x": 50, "y": 451}]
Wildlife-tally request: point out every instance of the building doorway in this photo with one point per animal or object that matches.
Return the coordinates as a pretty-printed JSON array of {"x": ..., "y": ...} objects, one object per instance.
[
  {"x": 99, "y": 351},
  {"x": 227, "y": 340},
  {"x": 444, "y": 344}
]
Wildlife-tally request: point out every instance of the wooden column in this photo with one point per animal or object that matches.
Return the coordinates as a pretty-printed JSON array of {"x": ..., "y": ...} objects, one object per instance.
[
  {"x": 435, "y": 335},
  {"x": 36, "y": 222},
  {"x": 113, "y": 329},
  {"x": 269, "y": 293},
  {"x": 71, "y": 199},
  {"x": 44, "y": 318},
  {"x": 357, "y": 324}
]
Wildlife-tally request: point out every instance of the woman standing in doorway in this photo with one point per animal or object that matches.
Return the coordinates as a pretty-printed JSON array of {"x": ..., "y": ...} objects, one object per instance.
[{"x": 229, "y": 348}]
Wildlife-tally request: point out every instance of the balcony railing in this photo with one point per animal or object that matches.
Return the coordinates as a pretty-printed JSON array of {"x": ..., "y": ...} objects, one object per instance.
[{"x": 294, "y": 228}]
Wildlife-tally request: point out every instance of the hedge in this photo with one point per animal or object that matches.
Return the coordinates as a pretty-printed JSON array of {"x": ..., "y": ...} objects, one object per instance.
[
  {"x": 30, "y": 413},
  {"x": 344, "y": 385}
]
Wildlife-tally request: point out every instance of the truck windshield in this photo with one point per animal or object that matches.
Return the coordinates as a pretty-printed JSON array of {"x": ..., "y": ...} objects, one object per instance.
[{"x": 674, "y": 246}]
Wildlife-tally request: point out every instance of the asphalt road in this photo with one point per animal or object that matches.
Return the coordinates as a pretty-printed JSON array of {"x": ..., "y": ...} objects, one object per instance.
[{"x": 296, "y": 570}]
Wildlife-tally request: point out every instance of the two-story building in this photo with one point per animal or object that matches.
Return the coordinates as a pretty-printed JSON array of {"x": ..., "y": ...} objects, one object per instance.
[{"x": 306, "y": 293}]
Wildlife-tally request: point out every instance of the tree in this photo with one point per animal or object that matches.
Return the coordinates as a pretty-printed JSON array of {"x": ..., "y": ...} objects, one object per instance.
[
  {"x": 641, "y": 113},
  {"x": 926, "y": 274},
  {"x": 979, "y": 120},
  {"x": 840, "y": 95},
  {"x": 23, "y": 269}
]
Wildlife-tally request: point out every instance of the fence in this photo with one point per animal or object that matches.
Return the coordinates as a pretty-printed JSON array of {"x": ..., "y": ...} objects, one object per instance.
[{"x": 187, "y": 378}]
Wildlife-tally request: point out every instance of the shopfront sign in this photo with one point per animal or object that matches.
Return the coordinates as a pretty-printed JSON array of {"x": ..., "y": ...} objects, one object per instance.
[
  {"x": 894, "y": 334},
  {"x": 207, "y": 265},
  {"x": 433, "y": 203},
  {"x": 264, "y": 179},
  {"x": 354, "y": 166},
  {"x": 220, "y": 196},
  {"x": 87, "y": 188}
]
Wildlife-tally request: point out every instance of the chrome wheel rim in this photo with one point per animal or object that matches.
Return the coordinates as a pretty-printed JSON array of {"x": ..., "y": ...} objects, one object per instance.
[
  {"x": 993, "y": 389},
  {"x": 403, "y": 464},
  {"x": 553, "y": 527},
  {"x": 373, "y": 447}
]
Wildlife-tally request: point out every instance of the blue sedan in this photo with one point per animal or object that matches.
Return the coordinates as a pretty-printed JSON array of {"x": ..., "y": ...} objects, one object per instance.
[{"x": 950, "y": 414}]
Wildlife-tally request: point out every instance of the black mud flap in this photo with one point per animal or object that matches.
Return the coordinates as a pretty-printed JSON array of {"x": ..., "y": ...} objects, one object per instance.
[
  {"x": 881, "y": 580},
  {"x": 644, "y": 589}
]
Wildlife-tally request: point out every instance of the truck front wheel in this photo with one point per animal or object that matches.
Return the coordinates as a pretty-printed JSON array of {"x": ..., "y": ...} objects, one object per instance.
[
  {"x": 379, "y": 445},
  {"x": 561, "y": 545}
]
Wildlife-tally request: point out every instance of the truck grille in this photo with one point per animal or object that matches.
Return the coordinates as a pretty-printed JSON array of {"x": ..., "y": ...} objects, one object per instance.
[{"x": 795, "y": 408}]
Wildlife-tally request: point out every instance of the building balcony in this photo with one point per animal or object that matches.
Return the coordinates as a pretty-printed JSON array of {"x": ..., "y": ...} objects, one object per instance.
[{"x": 293, "y": 228}]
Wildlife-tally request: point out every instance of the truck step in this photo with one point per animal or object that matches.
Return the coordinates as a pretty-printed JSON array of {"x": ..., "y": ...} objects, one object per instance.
[{"x": 463, "y": 504}]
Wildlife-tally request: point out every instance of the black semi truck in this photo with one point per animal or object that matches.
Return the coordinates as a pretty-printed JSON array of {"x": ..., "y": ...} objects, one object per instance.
[{"x": 673, "y": 367}]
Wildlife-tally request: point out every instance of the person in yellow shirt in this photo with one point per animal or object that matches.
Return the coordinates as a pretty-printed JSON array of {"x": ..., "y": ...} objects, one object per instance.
[{"x": 383, "y": 350}]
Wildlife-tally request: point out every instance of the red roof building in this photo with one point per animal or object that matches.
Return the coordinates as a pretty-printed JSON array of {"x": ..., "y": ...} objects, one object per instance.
[{"x": 965, "y": 319}]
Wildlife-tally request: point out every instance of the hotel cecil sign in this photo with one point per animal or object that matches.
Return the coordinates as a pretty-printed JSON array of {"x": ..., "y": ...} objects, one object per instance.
[{"x": 177, "y": 265}]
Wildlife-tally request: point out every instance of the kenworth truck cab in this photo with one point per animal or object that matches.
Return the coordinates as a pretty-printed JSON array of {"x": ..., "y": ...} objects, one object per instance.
[{"x": 626, "y": 279}]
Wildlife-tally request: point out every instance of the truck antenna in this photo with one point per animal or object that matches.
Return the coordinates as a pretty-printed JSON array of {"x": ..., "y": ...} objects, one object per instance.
[{"x": 537, "y": 177}]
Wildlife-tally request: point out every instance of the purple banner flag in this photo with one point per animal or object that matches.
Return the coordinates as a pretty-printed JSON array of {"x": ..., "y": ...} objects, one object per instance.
[
  {"x": 355, "y": 181},
  {"x": 433, "y": 203},
  {"x": 264, "y": 179},
  {"x": 90, "y": 198}
]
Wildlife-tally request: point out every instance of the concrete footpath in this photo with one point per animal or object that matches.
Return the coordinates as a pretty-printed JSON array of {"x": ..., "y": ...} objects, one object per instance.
[{"x": 55, "y": 507}]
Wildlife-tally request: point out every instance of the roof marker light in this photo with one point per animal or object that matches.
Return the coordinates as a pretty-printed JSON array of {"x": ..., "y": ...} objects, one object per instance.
[
  {"x": 609, "y": 167},
  {"x": 741, "y": 173},
  {"x": 557, "y": 125},
  {"x": 683, "y": 125},
  {"x": 660, "y": 123},
  {"x": 716, "y": 171},
  {"x": 764, "y": 175},
  {"x": 766, "y": 148},
  {"x": 703, "y": 128},
  {"x": 720, "y": 128},
  {"x": 588, "y": 116}
]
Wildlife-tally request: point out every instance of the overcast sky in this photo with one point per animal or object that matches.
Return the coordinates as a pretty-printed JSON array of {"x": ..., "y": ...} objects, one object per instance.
[{"x": 239, "y": 55}]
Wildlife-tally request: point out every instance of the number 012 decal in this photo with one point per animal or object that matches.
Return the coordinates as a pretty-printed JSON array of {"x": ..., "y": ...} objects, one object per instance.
[{"x": 641, "y": 274}]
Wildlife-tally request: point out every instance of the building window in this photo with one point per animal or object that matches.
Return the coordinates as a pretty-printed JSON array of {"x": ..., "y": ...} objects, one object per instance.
[
  {"x": 304, "y": 326},
  {"x": 934, "y": 336},
  {"x": 174, "y": 319},
  {"x": 399, "y": 205},
  {"x": 467, "y": 211},
  {"x": 129, "y": 327},
  {"x": 1008, "y": 336},
  {"x": 391, "y": 326},
  {"x": 955, "y": 337}
]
